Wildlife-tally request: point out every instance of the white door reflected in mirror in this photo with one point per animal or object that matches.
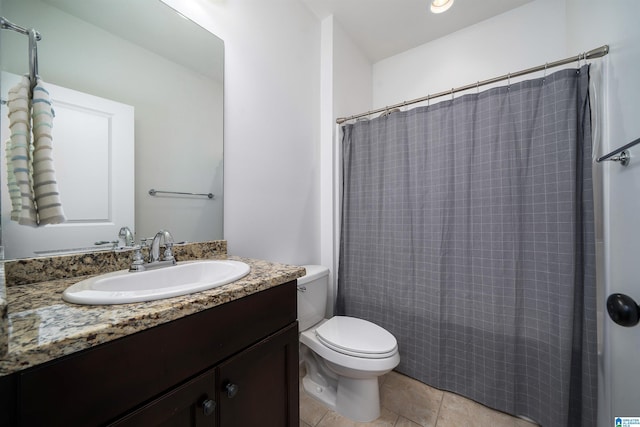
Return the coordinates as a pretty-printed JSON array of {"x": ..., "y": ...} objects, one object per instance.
[{"x": 93, "y": 154}]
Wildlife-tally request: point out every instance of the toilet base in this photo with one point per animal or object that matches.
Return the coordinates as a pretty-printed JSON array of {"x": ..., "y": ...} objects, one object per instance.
[
  {"x": 325, "y": 394},
  {"x": 345, "y": 383},
  {"x": 356, "y": 399}
]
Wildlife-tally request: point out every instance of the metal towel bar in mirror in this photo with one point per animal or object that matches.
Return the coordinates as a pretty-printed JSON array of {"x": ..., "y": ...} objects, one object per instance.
[
  {"x": 154, "y": 192},
  {"x": 622, "y": 156}
]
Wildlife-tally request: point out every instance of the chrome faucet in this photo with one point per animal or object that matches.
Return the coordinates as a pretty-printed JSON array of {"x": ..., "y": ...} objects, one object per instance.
[
  {"x": 154, "y": 251},
  {"x": 125, "y": 236},
  {"x": 138, "y": 263}
]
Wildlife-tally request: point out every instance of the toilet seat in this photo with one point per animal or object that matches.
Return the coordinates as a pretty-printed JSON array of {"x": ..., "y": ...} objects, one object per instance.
[
  {"x": 357, "y": 337},
  {"x": 359, "y": 365}
]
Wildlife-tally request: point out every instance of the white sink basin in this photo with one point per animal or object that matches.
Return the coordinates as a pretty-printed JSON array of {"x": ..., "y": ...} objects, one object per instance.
[{"x": 184, "y": 278}]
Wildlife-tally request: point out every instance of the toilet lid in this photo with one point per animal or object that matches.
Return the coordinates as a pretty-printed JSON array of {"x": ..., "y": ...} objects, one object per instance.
[{"x": 357, "y": 337}]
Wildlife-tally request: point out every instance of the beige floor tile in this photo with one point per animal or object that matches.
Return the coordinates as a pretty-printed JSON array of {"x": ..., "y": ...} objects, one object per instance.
[
  {"x": 411, "y": 399},
  {"x": 403, "y": 422},
  {"x": 456, "y": 411},
  {"x": 333, "y": 419},
  {"x": 409, "y": 403},
  {"x": 524, "y": 423},
  {"x": 311, "y": 411}
]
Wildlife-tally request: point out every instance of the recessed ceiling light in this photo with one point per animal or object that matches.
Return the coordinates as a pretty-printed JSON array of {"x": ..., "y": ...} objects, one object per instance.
[{"x": 439, "y": 6}]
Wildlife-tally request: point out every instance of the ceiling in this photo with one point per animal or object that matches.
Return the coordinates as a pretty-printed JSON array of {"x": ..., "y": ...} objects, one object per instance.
[{"x": 383, "y": 28}]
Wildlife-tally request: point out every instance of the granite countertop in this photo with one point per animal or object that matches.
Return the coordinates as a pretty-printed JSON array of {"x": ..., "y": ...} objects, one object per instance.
[{"x": 43, "y": 327}]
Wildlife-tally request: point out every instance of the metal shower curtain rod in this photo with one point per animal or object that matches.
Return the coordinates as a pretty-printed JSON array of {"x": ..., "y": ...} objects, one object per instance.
[{"x": 592, "y": 54}]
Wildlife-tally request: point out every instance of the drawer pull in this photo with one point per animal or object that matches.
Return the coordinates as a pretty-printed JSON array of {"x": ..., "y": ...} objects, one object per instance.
[
  {"x": 231, "y": 389},
  {"x": 208, "y": 406}
]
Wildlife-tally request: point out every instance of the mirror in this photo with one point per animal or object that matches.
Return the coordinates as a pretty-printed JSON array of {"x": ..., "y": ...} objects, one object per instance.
[{"x": 169, "y": 71}]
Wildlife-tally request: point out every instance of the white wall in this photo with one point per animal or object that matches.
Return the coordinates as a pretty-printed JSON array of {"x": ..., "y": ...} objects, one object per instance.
[
  {"x": 353, "y": 78},
  {"x": 345, "y": 89},
  {"x": 592, "y": 23},
  {"x": 272, "y": 132},
  {"x": 521, "y": 38}
]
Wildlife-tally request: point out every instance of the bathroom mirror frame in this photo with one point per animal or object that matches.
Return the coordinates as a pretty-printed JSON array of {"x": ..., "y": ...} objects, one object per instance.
[{"x": 173, "y": 152}]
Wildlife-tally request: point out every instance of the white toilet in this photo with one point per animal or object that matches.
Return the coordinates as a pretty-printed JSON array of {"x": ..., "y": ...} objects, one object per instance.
[{"x": 344, "y": 356}]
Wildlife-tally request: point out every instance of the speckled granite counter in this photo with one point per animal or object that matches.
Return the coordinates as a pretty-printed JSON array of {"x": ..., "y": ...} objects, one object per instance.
[{"x": 42, "y": 327}]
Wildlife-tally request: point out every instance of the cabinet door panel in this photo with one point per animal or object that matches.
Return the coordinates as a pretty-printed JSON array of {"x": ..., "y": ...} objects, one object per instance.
[
  {"x": 180, "y": 407},
  {"x": 263, "y": 382}
]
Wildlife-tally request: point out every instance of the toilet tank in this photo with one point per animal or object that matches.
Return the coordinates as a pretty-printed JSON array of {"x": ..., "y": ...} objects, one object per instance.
[{"x": 312, "y": 296}]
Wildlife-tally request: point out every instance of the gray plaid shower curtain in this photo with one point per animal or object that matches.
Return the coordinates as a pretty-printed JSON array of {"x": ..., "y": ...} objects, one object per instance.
[{"x": 467, "y": 232}]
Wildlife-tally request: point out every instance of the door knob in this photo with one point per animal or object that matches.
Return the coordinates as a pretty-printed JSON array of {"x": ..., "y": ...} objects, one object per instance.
[{"x": 623, "y": 310}]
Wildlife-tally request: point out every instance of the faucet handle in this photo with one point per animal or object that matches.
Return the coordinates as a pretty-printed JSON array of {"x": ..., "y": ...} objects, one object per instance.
[
  {"x": 145, "y": 242},
  {"x": 166, "y": 236},
  {"x": 168, "y": 252},
  {"x": 137, "y": 259}
]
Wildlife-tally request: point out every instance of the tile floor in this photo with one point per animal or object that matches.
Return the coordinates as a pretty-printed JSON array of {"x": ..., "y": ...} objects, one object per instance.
[{"x": 406, "y": 402}]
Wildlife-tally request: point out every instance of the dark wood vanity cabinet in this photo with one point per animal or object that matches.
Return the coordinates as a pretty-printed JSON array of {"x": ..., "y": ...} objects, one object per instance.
[
  {"x": 232, "y": 365},
  {"x": 190, "y": 404},
  {"x": 251, "y": 386}
]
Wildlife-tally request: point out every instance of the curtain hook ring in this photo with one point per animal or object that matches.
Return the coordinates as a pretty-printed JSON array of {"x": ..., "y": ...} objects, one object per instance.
[
  {"x": 428, "y": 100},
  {"x": 581, "y": 56},
  {"x": 452, "y": 93},
  {"x": 509, "y": 80},
  {"x": 546, "y": 64},
  {"x": 478, "y": 87}
]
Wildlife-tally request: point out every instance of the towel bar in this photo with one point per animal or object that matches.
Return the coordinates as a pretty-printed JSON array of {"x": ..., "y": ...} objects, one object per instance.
[
  {"x": 153, "y": 192},
  {"x": 623, "y": 157}
]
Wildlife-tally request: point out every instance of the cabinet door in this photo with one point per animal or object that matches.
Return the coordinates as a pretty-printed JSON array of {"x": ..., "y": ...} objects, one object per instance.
[
  {"x": 190, "y": 404},
  {"x": 259, "y": 386}
]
